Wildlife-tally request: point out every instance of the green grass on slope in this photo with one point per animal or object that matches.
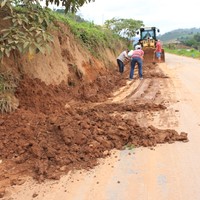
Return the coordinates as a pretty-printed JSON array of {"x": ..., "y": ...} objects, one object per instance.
[
  {"x": 91, "y": 36},
  {"x": 184, "y": 52}
]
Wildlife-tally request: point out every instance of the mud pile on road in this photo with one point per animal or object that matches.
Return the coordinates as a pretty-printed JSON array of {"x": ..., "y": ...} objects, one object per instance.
[{"x": 60, "y": 128}]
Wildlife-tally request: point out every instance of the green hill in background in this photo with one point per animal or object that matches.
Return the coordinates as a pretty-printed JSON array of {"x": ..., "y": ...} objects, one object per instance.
[{"x": 178, "y": 35}]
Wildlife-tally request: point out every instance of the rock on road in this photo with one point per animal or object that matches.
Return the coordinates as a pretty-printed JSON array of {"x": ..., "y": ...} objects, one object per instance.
[{"x": 168, "y": 171}]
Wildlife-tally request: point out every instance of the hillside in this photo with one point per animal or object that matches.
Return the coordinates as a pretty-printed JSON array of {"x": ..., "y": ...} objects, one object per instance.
[{"x": 175, "y": 35}]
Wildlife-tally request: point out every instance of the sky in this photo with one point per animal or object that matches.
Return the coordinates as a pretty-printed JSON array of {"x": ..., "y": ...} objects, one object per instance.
[{"x": 166, "y": 15}]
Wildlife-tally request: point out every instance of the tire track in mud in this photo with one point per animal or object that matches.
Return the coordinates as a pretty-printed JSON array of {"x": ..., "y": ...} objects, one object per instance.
[
  {"x": 157, "y": 92},
  {"x": 126, "y": 92},
  {"x": 147, "y": 89},
  {"x": 123, "y": 93},
  {"x": 150, "y": 91},
  {"x": 135, "y": 90}
]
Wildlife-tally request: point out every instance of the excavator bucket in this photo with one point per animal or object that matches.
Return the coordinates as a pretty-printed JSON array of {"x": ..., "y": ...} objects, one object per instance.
[{"x": 150, "y": 56}]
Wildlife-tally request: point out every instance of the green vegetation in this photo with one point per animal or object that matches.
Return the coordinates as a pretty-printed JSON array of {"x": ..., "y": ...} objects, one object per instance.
[
  {"x": 129, "y": 147},
  {"x": 7, "y": 88},
  {"x": 179, "y": 35},
  {"x": 193, "y": 42},
  {"x": 28, "y": 30},
  {"x": 126, "y": 28},
  {"x": 7, "y": 83},
  {"x": 94, "y": 36},
  {"x": 70, "y": 5},
  {"x": 183, "y": 52},
  {"x": 184, "y": 42},
  {"x": 91, "y": 36}
]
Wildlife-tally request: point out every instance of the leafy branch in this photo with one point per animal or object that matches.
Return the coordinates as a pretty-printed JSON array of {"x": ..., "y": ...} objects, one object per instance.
[
  {"x": 28, "y": 31},
  {"x": 70, "y": 5}
]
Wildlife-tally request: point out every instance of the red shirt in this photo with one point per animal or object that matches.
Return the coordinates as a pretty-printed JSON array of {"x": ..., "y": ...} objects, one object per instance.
[
  {"x": 138, "y": 53},
  {"x": 158, "y": 47}
]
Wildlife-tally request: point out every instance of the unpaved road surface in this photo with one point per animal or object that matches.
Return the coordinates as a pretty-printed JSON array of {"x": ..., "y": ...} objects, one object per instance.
[{"x": 162, "y": 172}]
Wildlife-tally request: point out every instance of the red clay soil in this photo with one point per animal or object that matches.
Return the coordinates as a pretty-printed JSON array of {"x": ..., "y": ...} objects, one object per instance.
[{"x": 65, "y": 127}]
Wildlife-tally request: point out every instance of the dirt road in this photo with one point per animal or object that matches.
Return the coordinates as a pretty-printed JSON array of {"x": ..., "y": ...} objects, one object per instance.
[{"x": 168, "y": 171}]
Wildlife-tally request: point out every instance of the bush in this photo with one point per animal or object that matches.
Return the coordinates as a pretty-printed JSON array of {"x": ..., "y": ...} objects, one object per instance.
[{"x": 8, "y": 84}]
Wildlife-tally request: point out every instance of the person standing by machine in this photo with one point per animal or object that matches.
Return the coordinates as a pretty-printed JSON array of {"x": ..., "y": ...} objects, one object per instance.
[{"x": 158, "y": 50}]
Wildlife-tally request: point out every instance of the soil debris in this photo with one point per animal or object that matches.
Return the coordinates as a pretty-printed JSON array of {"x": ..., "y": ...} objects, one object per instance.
[{"x": 44, "y": 138}]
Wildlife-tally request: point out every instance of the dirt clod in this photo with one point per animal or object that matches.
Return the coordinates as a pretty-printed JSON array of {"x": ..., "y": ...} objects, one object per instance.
[
  {"x": 2, "y": 192},
  {"x": 34, "y": 195}
]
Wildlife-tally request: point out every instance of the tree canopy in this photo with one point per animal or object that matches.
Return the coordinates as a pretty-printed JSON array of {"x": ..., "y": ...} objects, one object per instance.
[
  {"x": 124, "y": 27},
  {"x": 194, "y": 41},
  {"x": 70, "y": 5}
]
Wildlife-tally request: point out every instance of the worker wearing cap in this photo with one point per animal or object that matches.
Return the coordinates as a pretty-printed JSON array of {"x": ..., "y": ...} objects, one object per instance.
[{"x": 137, "y": 58}]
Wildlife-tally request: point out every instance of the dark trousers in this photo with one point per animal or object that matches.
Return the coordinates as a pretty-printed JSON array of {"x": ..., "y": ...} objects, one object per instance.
[
  {"x": 133, "y": 63},
  {"x": 120, "y": 65}
]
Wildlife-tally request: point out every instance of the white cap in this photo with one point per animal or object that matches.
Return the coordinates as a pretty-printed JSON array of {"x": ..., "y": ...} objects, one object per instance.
[{"x": 138, "y": 47}]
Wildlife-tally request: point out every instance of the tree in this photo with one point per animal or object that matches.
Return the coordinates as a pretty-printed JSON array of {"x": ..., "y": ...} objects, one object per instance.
[
  {"x": 28, "y": 27},
  {"x": 70, "y": 5},
  {"x": 26, "y": 30},
  {"x": 197, "y": 37},
  {"x": 192, "y": 41},
  {"x": 126, "y": 28}
]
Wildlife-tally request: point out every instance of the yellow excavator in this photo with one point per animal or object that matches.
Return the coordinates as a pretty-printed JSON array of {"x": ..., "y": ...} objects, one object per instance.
[{"x": 148, "y": 39}]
